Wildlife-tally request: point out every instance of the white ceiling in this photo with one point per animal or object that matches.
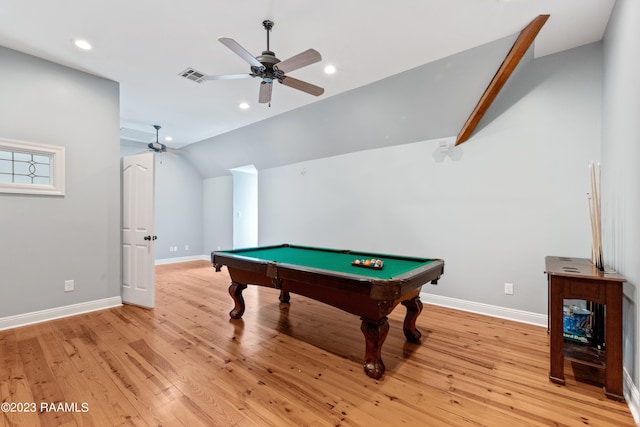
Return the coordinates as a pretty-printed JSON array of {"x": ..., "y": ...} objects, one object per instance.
[{"x": 145, "y": 44}]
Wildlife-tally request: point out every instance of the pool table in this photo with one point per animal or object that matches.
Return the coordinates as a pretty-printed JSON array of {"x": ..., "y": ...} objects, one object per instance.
[{"x": 327, "y": 275}]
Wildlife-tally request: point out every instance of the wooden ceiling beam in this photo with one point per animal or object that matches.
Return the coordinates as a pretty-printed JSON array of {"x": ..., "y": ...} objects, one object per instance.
[{"x": 511, "y": 61}]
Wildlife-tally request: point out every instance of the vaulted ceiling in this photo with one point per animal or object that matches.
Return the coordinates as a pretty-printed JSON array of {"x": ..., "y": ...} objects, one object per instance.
[{"x": 146, "y": 44}]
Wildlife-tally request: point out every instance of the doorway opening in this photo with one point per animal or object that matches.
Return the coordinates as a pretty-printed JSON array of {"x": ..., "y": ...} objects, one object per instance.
[{"x": 245, "y": 206}]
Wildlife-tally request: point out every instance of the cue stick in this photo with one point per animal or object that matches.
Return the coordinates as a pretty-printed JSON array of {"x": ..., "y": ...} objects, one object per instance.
[
  {"x": 599, "y": 218},
  {"x": 593, "y": 229},
  {"x": 592, "y": 207},
  {"x": 595, "y": 216},
  {"x": 591, "y": 216}
]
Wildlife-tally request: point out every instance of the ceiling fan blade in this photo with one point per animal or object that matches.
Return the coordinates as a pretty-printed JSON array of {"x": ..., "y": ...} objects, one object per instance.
[
  {"x": 303, "y": 86},
  {"x": 240, "y": 51},
  {"x": 228, "y": 77},
  {"x": 177, "y": 151},
  {"x": 169, "y": 154},
  {"x": 300, "y": 60},
  {"x": 265, "y": 92}
]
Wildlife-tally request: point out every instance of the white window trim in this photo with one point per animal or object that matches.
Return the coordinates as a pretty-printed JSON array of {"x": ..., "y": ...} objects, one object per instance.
[{"x": 56, "y": 188}]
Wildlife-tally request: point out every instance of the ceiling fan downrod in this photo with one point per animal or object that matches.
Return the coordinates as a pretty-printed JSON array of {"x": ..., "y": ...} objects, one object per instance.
[{"x": 268, "y": 25}]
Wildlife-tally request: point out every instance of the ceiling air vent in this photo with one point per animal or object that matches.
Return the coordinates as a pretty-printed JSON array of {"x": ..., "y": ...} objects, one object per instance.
[
  {"x": 193, "y": 75},
  {"x": 137, "y": 135}
]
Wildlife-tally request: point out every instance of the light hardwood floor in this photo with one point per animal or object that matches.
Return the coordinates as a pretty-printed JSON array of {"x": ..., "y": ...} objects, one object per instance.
[{"x": 185, "y": 363}]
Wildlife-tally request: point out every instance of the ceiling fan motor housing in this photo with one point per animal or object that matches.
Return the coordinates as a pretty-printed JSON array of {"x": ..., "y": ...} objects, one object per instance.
[
  {"x": 268, "y": 60},
  {"x": 157, "y": 146}
]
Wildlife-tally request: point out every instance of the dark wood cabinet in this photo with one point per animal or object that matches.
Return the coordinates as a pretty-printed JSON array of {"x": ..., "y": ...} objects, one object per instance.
[{"x": 578, "y": 278}]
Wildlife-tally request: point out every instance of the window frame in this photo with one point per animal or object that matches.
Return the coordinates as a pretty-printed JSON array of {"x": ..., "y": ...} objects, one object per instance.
[{"x": 57, "y": 167}]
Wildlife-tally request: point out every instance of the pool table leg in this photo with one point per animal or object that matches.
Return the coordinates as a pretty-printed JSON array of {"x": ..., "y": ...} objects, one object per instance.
[
  {"x": 284, "y": 296},
  {"x": 235, "y": 290},
  {"x": 414, "y": 308},
  {"x": 375, "y": 332}
]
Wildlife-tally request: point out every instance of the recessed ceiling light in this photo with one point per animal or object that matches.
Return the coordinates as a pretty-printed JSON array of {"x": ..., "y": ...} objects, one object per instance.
[
  {"x": 329, "y": 69},
  {"x": 168, "y": 138},
  {"x": 82, "y": 44},
  {"x": 243, "y": 105}
]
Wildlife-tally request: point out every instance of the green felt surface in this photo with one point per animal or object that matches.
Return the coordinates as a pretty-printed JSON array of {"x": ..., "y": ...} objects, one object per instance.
[{"x": 328, "y": 259}]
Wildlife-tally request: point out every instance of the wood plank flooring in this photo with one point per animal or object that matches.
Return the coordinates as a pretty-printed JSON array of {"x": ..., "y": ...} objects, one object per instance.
[{"x": 186, "y": 363}]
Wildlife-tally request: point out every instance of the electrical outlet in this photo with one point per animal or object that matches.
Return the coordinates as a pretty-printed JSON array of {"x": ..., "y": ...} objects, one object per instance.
[
  {"x": 508, "y": 288},
  {"x": 186, "y": 247},
  {"x": 69, "y": 285}
]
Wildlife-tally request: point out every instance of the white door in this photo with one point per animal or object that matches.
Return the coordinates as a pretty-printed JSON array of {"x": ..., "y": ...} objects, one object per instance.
[{"x": 138, "y": 186}]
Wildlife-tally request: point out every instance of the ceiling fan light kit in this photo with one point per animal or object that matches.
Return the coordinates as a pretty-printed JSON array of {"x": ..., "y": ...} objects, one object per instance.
[{"x": 265, "y": 66}]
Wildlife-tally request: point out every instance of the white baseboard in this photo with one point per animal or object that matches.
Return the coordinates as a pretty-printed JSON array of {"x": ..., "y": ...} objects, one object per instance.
[
  {"x": 486, "y": 309},
  {"x": 58, "y": 312},
  {"x": 631, "y": 395},
  {"x": 182, "y": 259}
]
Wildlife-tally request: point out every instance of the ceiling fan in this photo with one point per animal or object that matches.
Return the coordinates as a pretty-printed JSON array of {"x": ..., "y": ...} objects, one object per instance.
[
  {"x": 269, "y": 68},
  {"x": 159, "y": 147}
]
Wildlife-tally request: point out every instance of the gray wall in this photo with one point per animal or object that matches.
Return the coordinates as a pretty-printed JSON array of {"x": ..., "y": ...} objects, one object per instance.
[
  {"x": 47, "y": 240},
  {"x": 621, "y": 174},
  {"x": 517, "y": 194},
  {"x": 218, "y": 213},
  {"x": 179, "y": 208}
]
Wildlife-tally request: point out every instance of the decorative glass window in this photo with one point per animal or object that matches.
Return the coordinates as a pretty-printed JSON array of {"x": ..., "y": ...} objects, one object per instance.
[{"x": 30, "y": 168}]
